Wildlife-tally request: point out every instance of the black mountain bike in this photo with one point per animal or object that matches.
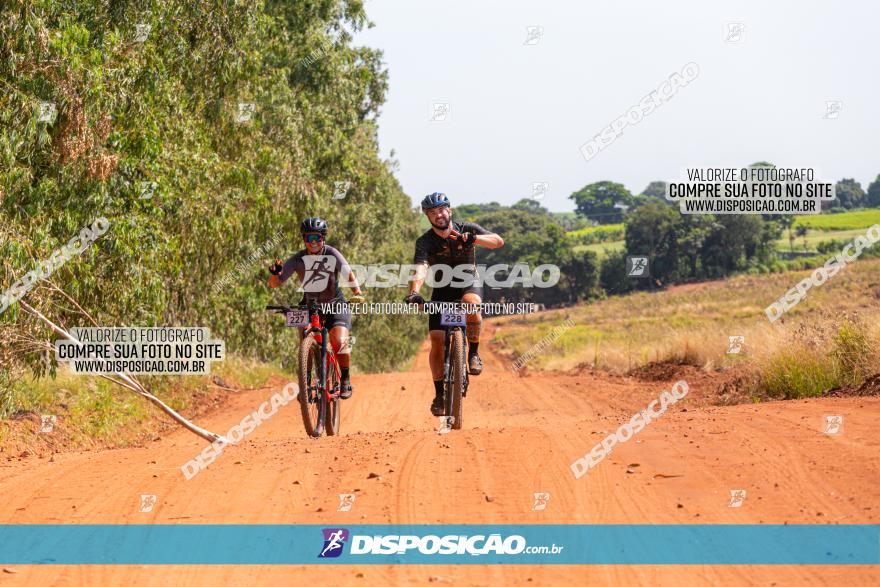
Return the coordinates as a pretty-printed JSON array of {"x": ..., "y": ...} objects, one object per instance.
[
  {"x": 319, "y": 374},
  {"x": 455, "y": 374}
]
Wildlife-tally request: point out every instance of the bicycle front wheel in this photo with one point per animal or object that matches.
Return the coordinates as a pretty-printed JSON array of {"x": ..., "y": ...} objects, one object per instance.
[
  {"x": 455, "y": 387},
  {"x": 311, "y": 402}
]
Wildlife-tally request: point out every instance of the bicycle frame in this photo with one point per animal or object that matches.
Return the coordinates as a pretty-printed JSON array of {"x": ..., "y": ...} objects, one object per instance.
[
  {"x": 321, "y": 334},
  {"x": 447, "y": 380},
  {"x": 317, "y": 330}
]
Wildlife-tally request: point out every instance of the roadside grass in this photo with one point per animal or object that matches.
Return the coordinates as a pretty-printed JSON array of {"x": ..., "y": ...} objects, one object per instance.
[
  {"x": 249, "y": 373},
  {"x": 821, "y": 355},
  {"x": 830, "y": 338},
  {"x": 92, "y": 411}
]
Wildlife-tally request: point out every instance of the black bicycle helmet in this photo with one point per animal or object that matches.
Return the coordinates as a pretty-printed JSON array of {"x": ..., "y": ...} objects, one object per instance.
[
  {"x": 434, "y": 200},
  {"x": 313, "y": 224}
]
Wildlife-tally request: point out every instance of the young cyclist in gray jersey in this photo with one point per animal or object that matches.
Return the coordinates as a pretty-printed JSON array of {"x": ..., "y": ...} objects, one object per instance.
[{"x": 318, "y": 267}]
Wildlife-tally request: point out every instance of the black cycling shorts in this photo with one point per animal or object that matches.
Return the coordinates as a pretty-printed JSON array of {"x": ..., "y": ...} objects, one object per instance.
[
  {"x": 341, "y": 319},
  {"x": 331, "y": 320},
  {"x": 450, "y": 294}
]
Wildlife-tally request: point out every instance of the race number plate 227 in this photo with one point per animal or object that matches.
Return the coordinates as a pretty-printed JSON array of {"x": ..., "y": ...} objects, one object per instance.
[
  {"x": 451, "y": 319},
  {"x": 297, "y": 319}
]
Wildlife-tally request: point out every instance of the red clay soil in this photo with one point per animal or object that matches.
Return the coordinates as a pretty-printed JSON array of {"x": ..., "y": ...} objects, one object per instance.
[{"x": 520, "y": 436}]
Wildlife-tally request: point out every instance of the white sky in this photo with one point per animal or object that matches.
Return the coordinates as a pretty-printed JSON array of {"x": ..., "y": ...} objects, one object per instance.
[{"x": 519, "y": 113}]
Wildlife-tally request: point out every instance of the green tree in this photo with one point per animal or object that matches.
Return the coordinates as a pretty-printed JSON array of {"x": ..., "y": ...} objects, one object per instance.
[
  {"x": 685, "y": 246},
  {"x": 579, "y": 277},
  {"x": 569, "y": 221},
  {"x": 471, "y": 211},
  {"x": 535, "y": 240},
  {"x": 802, "y": 232},
  {"x": 597, "y": 201},
  {"x": 734, "y": 242},
  {"x": 849, "y": 194},
  {"x": 873, "y": 196},
  {"x": 787, "y": 223},
  {"x": 164, "y": 110},
  {"x": 693, "y": 232},
  {"x": 530, "y": 205},
  {"x": 653, "y": 231},
  {"x": 656, "y": 189},
  {"x": 612, "y": 274}
]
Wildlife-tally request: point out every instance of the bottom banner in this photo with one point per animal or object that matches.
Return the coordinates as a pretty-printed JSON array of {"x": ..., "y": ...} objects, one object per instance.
[{"x": 694, "y": 544}]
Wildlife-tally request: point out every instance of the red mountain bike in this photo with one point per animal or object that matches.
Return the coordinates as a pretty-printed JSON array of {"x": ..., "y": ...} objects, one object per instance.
[{"x": 319, "y": 374}]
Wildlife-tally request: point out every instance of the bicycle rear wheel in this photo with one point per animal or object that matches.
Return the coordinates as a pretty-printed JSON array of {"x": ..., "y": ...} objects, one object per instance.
[
  {"x": 455, "y": 386},
  {"x": 333, "y": 407},
  {"x": 311, "y": 401}
]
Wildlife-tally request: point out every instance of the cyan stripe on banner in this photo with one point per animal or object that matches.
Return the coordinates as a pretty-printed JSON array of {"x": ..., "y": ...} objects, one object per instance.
[{"x": 690, "y": 544}]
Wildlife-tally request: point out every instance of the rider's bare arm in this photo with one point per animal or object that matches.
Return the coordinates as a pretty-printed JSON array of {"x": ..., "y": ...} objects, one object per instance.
[
  {"x": 349, "y": 278},
  {"x": 275, "y": 271},
  {"x": 419, "y": 278},
  {"x": 490, "y": 241},
  {"x": 288, "y": 269},
  {"x": 476, "y": 235}
]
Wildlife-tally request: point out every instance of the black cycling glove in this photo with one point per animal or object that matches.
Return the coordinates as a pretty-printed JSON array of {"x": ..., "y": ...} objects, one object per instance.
[
  {"x": 468, "y": 237},
  {"x": 414, "y": 298}
]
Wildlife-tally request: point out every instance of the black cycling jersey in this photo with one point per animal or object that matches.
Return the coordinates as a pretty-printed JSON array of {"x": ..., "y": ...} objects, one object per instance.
[{"x": 433, "y": 249}]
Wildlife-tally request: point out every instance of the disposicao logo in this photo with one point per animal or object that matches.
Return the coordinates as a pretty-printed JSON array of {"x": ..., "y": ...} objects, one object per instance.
[{"x": 334, "y": 541}]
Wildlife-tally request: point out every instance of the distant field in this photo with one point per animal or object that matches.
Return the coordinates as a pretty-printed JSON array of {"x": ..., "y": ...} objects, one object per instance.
[
  {"x": 604, "y": 228},
  {"x": 814, "y": 237},
  {"x": 601, "y": 249},
  {"x": 846, "y": 221},
  {"x": 692, "y": 323},
  {"x": 824, "y": 227},
  {"x": 602, "y": 239}
]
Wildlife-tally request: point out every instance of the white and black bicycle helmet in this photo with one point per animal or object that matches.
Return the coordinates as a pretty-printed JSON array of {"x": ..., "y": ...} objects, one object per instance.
[{"x": 313, "y": 224}]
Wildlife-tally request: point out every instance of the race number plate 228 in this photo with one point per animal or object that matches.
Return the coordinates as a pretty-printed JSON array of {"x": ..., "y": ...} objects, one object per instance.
[
  {"x": 297, "y": 318},
  {"x": 451, "y": 319}
]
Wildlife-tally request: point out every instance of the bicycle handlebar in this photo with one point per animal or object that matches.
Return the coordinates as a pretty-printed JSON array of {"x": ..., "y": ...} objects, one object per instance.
[
  {"x": 283, "y": 309},
  {"x": 311, "y": 305}
]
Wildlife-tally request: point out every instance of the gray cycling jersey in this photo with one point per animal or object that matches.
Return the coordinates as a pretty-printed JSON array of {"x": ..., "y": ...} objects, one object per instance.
[{"x": 319, "y": 273}]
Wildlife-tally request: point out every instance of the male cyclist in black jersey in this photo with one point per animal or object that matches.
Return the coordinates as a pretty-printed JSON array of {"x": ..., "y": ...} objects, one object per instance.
[
  {"x": 320, "y": 282},
  {"x": 450, "y": 243}
]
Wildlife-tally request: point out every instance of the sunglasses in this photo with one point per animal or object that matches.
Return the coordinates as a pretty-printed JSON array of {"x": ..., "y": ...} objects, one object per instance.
[{"x": 313, "y": 239}]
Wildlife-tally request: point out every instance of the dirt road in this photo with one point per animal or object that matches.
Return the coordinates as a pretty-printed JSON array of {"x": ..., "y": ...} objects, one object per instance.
[{"x": 520, "y": 436}]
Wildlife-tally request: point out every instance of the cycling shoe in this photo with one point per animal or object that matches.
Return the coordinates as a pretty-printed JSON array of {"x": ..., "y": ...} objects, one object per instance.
[
  {"x": 346, "y": 389},
  {"x": 475, "y": 364},
  {"x": 437, "y": 407}
]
